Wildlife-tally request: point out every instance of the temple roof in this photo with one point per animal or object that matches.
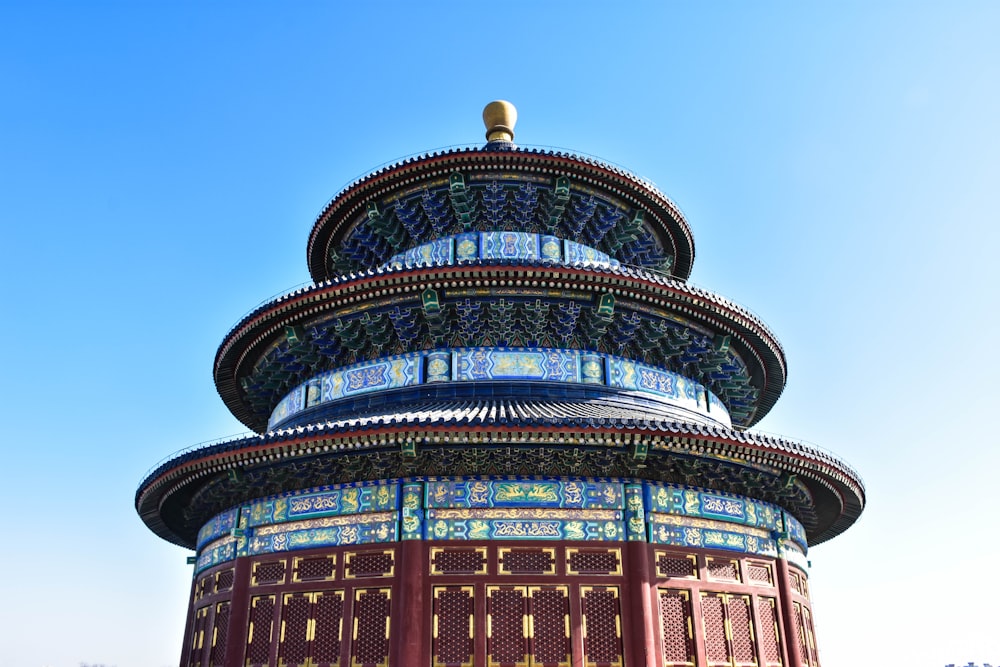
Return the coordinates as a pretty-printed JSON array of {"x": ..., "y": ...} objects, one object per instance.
[
  {"x": 533, "y": 436},
  {"x": 656, "y": 319},
  {"x": 475, "y": 189}
]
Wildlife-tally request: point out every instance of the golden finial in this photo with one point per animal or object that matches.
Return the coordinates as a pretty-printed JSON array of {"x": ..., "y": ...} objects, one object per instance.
[{"x": 500, "y": 117}]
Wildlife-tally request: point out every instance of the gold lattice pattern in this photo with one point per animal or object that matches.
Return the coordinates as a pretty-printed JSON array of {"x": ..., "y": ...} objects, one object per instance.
[
  {"x": 371, "y": 564},
  {"x": 219, "y": 635},
  {"x": 740, "y": 629},
  {"x": 805, "y": 636},
  {"x": 259, "y": 632},
  {"x": 506, "y": 636},
  {"x": 593, "y": 561},
  {"x": 453, "y": 612},
  {"x": 723, "y": 569},
  {"x": 767, "y": 617},
  {"x": 550, "y": 643},
  {"x": 676, "y": 565},
  {"x": 449, "y": 560},
  {"x": 759, "y": 574},
  {"x": 224, "y": 580},
  {"x": 316, "y": 568},
  {"x": 527, "y": 561},
  {"x": 293, "y": 649},
  {"x": 602, "y": 641},
  {"x": 714, "y": 623},
  {"x": 371, "y": 628},
  {"x": 268, "y": 572},
  {"x": 328, "y": 610},
  {"x": 675, "y": 623}
]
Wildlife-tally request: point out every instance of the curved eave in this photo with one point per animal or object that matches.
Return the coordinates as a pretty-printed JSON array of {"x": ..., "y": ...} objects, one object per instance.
[
  {"x": 757, "y": 345},
  {"x": 665, "y": 218},
  {"x": 837, "y": 488}
]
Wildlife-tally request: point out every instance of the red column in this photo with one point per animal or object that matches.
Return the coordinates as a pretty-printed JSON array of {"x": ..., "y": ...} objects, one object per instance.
[
  {"x": 239, "y": 609},
  {"x": 410, "y": 634},
  {"x": 788, "y": 615},
  {"x": 641, "y": 628}
]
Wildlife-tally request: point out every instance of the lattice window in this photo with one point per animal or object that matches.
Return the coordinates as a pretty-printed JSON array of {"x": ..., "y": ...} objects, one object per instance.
[
  {"x": 206, "y": 586},
  {"x": 295, "y": 612},
  {"x": 800, "y": 637},
  {"x": 506, "y": 642},
  {"x": 676, "y": 628},
  {"x": 728, "y": 625},
  {"x": 268, "y": 572},
  {"x": 198, "y": 629},
  {"x": 593, "y": 561},
  {"x": 795, "y": 581},
  {"x": 602, "y": 636},
  {"x": 767, "y": 619},
  {"x": 370, "y": 647},
  {"x": 741, "y": 629},
  {"x": 452, "y": 637},
  {"x": 676, "y": 565},
  {"x": 224, "y": 580},
  {"x": 259, "y": 632},
  {"x": 759, "y": 574},
  {"x": 328, "y": 612},
  {"x": 713, "y": 617},
  {"x": 446, "y": 560},
  {"x": 314, "y": 568},
  {"x": 722, "y": 569},
  {"x": 516, "y": 560},
  {"x": 369, "y": 564},
  {"x": 219, "y": 635},
  {"x": 310, "y": 629},
  {"x": 811, "y": 658},
  {"x": 549, "y": 625}
]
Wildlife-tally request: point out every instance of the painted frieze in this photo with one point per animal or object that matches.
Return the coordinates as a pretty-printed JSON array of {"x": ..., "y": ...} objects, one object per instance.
[
  {"x": 474, "y": 364},
  {"x": 500, "y": 245}
]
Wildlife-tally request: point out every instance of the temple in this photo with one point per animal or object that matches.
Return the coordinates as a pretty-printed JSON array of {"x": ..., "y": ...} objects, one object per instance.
[{"x": 500, "y": 428}]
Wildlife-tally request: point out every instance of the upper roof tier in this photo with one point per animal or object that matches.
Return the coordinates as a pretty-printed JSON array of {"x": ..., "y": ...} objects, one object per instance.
[{"x": 500, "y": 187}]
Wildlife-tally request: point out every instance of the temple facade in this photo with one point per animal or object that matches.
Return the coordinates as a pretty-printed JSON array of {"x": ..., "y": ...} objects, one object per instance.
[{"x": 500, "y": 428}]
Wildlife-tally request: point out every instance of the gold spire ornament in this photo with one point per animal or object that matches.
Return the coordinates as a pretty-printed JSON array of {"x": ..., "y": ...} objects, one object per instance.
[{"x": 500, "y": 117}]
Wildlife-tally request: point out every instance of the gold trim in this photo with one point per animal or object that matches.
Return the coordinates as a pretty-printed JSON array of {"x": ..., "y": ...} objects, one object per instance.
[
  {"x": 708, "y": 569},
  {"x": 256, "y": 566},
  {"x": 566, "y": 617},
  {"x": 674, "y": 554},
  {"x": 618, "y": 623},
  {"x": 435, "y": 590},
  {"x": 347, "y": 562},
  {"x": 484, "y": 560},
  {"x": 219, "y": 574},
  {"x": 298, "y": 559},
  {"x": 525, "y": 624},
  {"x": 502, "y": 552},
  {"x": 358, "y": 592},
  {"x": 250, "y": 628},
  {"x": 616, "y": 551},
  {"x": 766, "y": 566}
]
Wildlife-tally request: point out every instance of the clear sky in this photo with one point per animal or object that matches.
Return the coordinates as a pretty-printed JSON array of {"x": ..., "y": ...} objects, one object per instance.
[{"x": 161, "y": 165}]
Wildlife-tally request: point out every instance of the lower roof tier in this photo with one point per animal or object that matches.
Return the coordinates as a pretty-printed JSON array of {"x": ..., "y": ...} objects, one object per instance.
[{"x": 582, "y": 437}]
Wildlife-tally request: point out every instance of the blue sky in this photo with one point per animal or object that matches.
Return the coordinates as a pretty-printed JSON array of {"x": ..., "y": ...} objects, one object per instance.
[{"x": 161, "y": 166}]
